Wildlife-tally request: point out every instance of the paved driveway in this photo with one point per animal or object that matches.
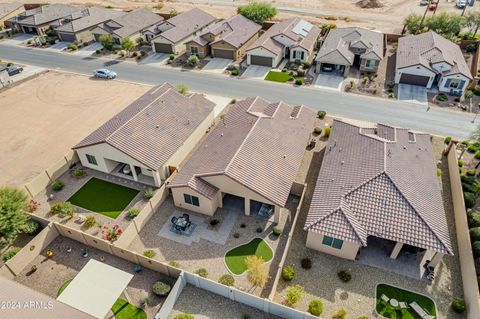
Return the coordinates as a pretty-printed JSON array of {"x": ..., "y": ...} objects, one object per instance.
[
  {"x": 89, "y": 49},
  {"x": 256, "y": 72},
  {"x": 58, "y": 47},
  {"x": 155, "y": 59},
  {"x": 329, "y": 81},
  {"x": 217, "y": 65},
  {"x": 412, "y": 94},
  {"x": 18, "y": 40}
]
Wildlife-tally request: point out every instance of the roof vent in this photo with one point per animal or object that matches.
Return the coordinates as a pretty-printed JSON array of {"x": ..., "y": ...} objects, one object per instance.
[
  {"x": 157, "y": 126},
  {"x": 404, "y": 147},
  {"x": 284, "y": 156},
  {"x": 188, "y": 122},
  {"x": 342, "y": 162},
  {"x": 221, "y": 134}
]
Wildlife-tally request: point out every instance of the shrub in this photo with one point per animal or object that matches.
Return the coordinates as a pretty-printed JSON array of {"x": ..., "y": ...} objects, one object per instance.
[
  {"x": 471, "y": 172},
  {"x": 474, "y": 234},
  {"x": 227, "y": 280},
  {"x": 236, "y": 235},
  {"x": 288, "y": 272},
  {"x": 277, "y": 231},
  {"x": 10, "y": 253},
  {"x": 135, "y": 54},
  {"x": 32, "y": 227},
  {"x": 472, "y": 148},
  {"x": 133, "y": 212},
  {"x": 258, "y": 12},
  {"x": 341, "y": 314},
  {"x": 477, "y": 155},
  {"x": 234, "y": 72},
  {"x": 78, "y": 172},
  {"x": 327, "y": 131},
  {"x": 160, "y": 288},
  {"x": 182, "y": 88},
  {"x": 344, "y": 276},
  {"x": 175, "y": 264},
  {"x": 149, "y": 253},
  {"x": 214, "y": 222},
  {"x": 471, "y": 47},
  {"x": 202, "y": 272},
  {"x": 62, "y": 209},
  {"x": 315, "y": 307},
  {"x": 294, "y": 294},
  {"x": 317, "y": 130},
  {"x": 474, "y": 219},
  {"x": 439, "y": 172},
  {"x": 460, "y": 163},
  {"x": 363, "y": 317},
  {"x": 148, "y": 193},
  {"x": 306, "y": 263},
  {"x": 469, "y": 199},
  {"x": 97, "y": 51},
  {"x": 476, "y": 249},
  {"x": 57, "y": 185},
  {"x": 458, "y": 305},
  {"x": 442, "y": 97},
  {"x": 193, "y": 60},
  {"x": 301, "y": 73},
  {"x": 171, "y": 57},
  {"x": 90, "y": 221},
  {"x": 72, "y": 47},
  {"x": 184, "y": 316},
  {"x": 299, "y": 82},
  {"x": 306, "y": 65},
  {"x": 321, "y": 114},
  {"x": 259, "y": 230}
]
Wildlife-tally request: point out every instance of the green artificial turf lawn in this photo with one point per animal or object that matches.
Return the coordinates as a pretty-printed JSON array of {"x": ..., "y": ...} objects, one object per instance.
[
  {"x": 235, "y": 258},
  {"x": 388, "y": 311},
  {"x": 63, "y": 286},
  {"x": 103, "y": 197},
  {"x": 123, "y": 310},
  {"x": 278, "y": 76}
]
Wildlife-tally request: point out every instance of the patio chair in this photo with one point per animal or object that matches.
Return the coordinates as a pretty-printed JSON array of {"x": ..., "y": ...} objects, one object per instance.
[
  {"x": 174, "y": 220},
  {"x": 187, "y": 225},
  {"x": 187, "y": 217},
  {"x": 402, "y": 305},
  {"x": 384, "y": 298}
]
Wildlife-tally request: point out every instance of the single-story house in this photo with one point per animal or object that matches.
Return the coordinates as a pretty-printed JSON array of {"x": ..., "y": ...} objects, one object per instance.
[
  {"x": 292, "y": 39},
  {"x": 8, "y": 11},
  {"x": 227, "y": 39},
  {"x": 377, "y": 184},
  {"x": 131, "y": 25},
  {"x": 150, "y": 137},
  {"x": 180, "y": 29},
  {"x": 251, "y": 156},
  {"x": 38, "y": 20},
  {"x": 80, "y": 30},
  {"x": 430, "y": 60},
  {"x": 347, "y": 47}
]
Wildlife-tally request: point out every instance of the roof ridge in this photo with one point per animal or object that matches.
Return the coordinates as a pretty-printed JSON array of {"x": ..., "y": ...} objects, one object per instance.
[{"x": 346, "y": 210}]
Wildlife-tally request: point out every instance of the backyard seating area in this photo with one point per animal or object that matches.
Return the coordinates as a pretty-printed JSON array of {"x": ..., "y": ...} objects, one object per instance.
[{"x": 182, "y": 225}]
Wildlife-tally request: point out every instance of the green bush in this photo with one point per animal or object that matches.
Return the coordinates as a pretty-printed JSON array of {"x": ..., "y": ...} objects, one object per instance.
[
  {"x": 148, "y": 193},
  {"x": 160, "y": 288},
  {"x": 344, "y": 276},
  {"x": 90, "y": 221},
  {"x": 315, "y": 307},
  {"x": 471, "y": 172},
  {"x": 471, "y": 47},
  {"x": 469, "y": 199},
  {"x": 32, "y": 228},
  {"x": 458, "y": 305},
  {"x": 78, "y": 172},
  {"x": 477, "y": 155},
  {"x": 442, "y": 97},
  {"x": 321, "y": 114},
  {"x": 202, "y": 272},
  {"x": 306, "y": 65},
  {"x": 467, "y": 187},
  {"x": 300, "y": 73},
  {"x": 175, "y": 264},
  {"x": 439, "y": 172},
  {"x": 288, "y": 272},
  {"x": 299, "y": 82},
  {"x": 306, "y": 263},
  {"x": 294, "y": 294},
  {"x": 472, "y": 148},
  {"x": 184, "y": 316},
  {"x": 258, "y": 12},
  {"x": 227, "y": 280},
  {"x": 193, "y": 60},
  {"x": 10, "y": 253},
  {"x": 149, "y": 253},
  {"x": 476, "y": 249},
  {"x": 474, "y": 219},
  {"x": 363, "y": 317},
  {"x": 468, "y": 179},
  {"x": 277, "y": 231},
  {"x": 234, "y": 72},
  {"x": 72, "y": 47},
  {"x": 133, "y": 212},
  {"x": 460, "y": 163},
  {"x": 171, "y": 57},
  {"x": 474, "y": 234},
  {"x": 97, "y": 51},
  {"x": 317, "y": 130},
  {"x": 62, "y": 209},
  {"x": 57, "y": 185},
  {"x": 327, "y": 131},
  {"x": 341, "y": 314}
]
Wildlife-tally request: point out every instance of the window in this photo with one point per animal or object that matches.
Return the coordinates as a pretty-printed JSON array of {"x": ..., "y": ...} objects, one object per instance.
[
  {"x": 332, "y": 242},
  {"x": 192, "y": 200},
  {"x": 194, "y": 50},
  {"x": 91, "y": 159},
  {"x": 370, "y": 63},
  {"x": 454, "y": 84}
]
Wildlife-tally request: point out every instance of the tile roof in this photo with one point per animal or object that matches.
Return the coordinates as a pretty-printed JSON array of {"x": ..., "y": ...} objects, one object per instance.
[
  {"x": 48, "y": 13},
  {"x": 429, "y": 48},
  {"x": 7, "y": 8},
  {"x": 336, "y": 47},
  {"x": 132, "y": 22},
  {"x": 153, "y": 127},
  {"x": 235, "y": 30},
  {"x": 187, "y": 23},
  {"x": 379, "y": 181},
  {"x": 91, "y": 17},
  {"x": 304, "y": 39},
  {"x": 258, "y": 144}
]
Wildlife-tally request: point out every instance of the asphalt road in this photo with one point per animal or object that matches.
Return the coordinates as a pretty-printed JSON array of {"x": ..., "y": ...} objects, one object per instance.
[{"x": 436, "y": 120}]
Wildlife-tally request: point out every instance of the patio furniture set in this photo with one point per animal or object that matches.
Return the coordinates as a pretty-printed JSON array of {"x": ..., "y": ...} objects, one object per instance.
[
  {"x": 399, "y": 305},
  {"x": 182, "y": 223}
]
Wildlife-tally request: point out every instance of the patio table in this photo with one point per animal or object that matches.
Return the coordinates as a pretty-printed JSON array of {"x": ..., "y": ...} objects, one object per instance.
[
  {"x": 394, "y": 302},
  {"x": 181, "y": 222}
]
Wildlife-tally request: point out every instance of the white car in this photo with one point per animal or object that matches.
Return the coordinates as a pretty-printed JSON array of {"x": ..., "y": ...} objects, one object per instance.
[
  {"x": 104, "y": 74},
  {"x": 461, "y": 4},
  {"x": 424, "y": 2}
]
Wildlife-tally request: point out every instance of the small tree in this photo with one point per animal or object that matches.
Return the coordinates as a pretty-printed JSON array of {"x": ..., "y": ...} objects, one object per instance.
[
  {"x": 127, "y": 45},
  {"x": 294, "y": 294},
  {"x": 412, "y": 23},
  {"x": 13, "y": 216},
  {"x": 193, "y": 60},
  {"x": 258, "y": 12},
  {"x": 472, "y": 22},
  {"x": 257, "y": 272},
  {"x": 182, "y": 88},
  {"x": 172, "y": 12},
  {"x": 107, "y": 41}
]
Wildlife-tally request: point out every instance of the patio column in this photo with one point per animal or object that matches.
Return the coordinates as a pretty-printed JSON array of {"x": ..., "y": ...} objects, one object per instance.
[
  {"x": 247, "y": 206},
  {"x": 156, "y": 178},
  {"x": 276, "y": 214},
  {"x": 435, "y": 260},
  {"x": 396, "y": 250},
  {"x": 134, "y": 173}
]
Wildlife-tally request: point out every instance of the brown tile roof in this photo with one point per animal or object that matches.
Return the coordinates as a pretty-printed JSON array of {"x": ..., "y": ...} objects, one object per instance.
[
  {"x": 153, "y": 127},
  {"x": 132, "y": 22},
  {"x": 48, "y": 13},
  {"x": 429, "y": 48},
  {"x": 379, "y": 181},
  {"x": 186, "y": 24},
  {"x": 91, "y": 17},
  {"x": 7, "y": 8},
  {"x": 304, "y": 39},
  {"x": 258, "y": 144}
]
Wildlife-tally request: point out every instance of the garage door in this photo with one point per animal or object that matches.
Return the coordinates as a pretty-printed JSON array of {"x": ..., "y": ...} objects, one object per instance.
[
  {"x": 260, "y": 60},
  {"x": 414, "y": 79},
  {"x": 163, "y": 47},
  {"x": 65, "y": 37},
  {"x": 226, "y": 54}
]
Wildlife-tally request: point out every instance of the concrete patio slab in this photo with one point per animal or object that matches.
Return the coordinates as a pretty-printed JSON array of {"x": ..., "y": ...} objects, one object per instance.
[
  {"x": 89, "y": 49},
  {"x": 256, "y": 72},
  {"x": 217, "y": 65},
  {"x": 329, "y": 81},
  {"x": 412, "y": 94}
]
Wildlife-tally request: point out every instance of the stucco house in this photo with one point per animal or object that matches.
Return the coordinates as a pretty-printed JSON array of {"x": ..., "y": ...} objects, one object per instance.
[
  {"x": 253, "y": 155},
  {"x": 347, "y": 47},
  {"x": 226, "y": 39},
  {"x": 177, "y": 31},
  {"x": 430, "y": 60},
  {"x": 131, "y": 25},
  {"x": 80, "y": 30},
  {"x": 292, "y": 39},
  {"x": 148, "y": 139},
  {"x": 377, "y": 185},
  {"x": 8, "y": 11}
]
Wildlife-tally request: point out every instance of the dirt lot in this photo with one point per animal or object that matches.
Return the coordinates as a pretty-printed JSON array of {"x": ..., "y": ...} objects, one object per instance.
[{"x": 41, "y": 119}]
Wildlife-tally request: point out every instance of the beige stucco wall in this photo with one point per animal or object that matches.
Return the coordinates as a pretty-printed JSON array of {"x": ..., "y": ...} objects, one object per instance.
[
  {"x": 348, "y": 251},
  {"x": 207, "y": 206},
  {"x": 203, "y": 51},
  {"x": 11, "y": 15}
]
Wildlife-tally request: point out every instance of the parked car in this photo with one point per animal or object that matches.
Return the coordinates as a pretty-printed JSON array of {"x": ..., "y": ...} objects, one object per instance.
[
  {"x": 13, "y": 69},
  {"x": 327, "y": 67},
  {"x": 424, "y": 2},
  {"x": 461, "y": 4},
  {"x": 104, "y": 74},
  {"x": 432, "y": 6}
]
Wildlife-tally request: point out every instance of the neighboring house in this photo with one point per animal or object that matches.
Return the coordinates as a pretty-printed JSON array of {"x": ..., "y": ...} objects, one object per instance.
[
  {"x": 80, "y": 30},
  {"x": 430, "y": 60},
  {"x": 8, "y": 11},
  {"x": 130, "y": 25},
  {"x": 227, "y": 39},
  {"x": 378, "y": 186},
  {"x": 347, "y": 47},
  {"x": 150, "y": 137},
  {"x": 180, "y": 29},
  {"x": 252, "y": 157},
  {"x": 37, "y": 21},
  {"x": 292, "y": 39}
]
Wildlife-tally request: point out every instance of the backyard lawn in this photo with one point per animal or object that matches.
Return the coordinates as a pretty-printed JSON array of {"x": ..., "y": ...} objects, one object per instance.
[
  {"x": 388, "y": 311},
  {"x": 103, "y": 197},
  {"x": 278, "y": 76},
  {"x": 235, "y": 258}
]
